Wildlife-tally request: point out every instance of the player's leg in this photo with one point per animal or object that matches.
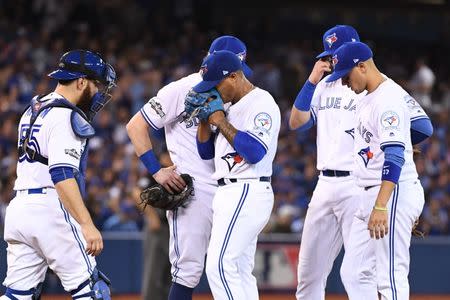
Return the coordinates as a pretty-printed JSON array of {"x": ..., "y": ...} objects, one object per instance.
[
  {"x": 241, "y": 210},
  {"x": 63, "y": 246},
  {"x": 26, "y": 266},
  {"x": 190, "y": 230},
  {"x": 245, "y": 265},
  {"x": 358, "y": 270},
  {"x": 405, "y": 206},
  {"x": 320, "y": 244}
]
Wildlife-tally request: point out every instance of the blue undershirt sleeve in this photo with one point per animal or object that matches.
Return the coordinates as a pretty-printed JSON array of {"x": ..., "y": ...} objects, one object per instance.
[
  {"x": 61, "y": 173},
  {"x": 250, "y": 148}
]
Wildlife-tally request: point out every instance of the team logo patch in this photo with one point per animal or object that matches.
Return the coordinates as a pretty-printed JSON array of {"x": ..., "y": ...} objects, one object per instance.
[
  {"x": 331, "y": 39},
  {"x": 334, "y": 60},
  {"x": 366, "y": 155},
  {"x": 232, "y": 159},
  {"x": 390, "y": 120},
  {"x": 72, "y": 152},
  {"x": 157, "y": 107},
  {"x": 263, "y": 120}
]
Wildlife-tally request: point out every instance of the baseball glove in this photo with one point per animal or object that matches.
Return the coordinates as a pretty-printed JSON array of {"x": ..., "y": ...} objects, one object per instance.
[
  {"x": 157, "y": 196},
  {"x": 202, "y": 105}
]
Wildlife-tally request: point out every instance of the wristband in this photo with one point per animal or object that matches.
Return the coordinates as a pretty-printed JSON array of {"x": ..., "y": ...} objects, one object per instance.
[
  {"x": 379, "y": 208},
  {"x": 150, "y": 161},
  {"x": 304, "y": 97}
]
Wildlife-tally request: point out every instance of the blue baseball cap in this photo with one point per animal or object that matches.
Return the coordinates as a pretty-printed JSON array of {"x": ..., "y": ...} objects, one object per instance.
[
  {"x": 336, "y": 37},
  {"x": 347, "y": 57},
  {"x": 235, "y": 45},
  {"x": 216, "y": 67}
]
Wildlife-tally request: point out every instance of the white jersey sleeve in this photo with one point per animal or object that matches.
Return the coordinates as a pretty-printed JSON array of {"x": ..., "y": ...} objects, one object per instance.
[
  {"x": 168, "y": 104},
  {"x": 415, "y": 110},
  {"x": 393, "y": 123},
  {"x": 260, "y": 125},
  {"x": 64, "y": 147}
]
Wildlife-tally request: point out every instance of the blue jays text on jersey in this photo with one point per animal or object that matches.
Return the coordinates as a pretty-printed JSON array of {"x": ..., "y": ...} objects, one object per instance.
[{"x": 335, "y": 102}]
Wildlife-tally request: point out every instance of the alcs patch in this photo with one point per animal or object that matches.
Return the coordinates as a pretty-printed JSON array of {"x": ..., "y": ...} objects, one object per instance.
[{"x": 157, "y": 107}]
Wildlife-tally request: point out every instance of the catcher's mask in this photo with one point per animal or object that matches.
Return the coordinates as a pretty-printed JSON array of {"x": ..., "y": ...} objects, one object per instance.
[{"x": 86, "y": 64}]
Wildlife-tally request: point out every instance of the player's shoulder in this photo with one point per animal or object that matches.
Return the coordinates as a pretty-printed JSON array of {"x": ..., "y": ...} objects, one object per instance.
[
  {"x": 182, "y": 85},
  {"x": 265, "y": 100}
]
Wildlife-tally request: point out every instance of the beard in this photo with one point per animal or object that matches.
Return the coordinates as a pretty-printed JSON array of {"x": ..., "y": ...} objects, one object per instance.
[{"x": 85, "y": 100}]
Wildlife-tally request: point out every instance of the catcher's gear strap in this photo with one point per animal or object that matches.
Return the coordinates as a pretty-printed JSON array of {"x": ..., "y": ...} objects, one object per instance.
[
  {"x": 35, "y": 293},
  {"x": 97, "y": 287},
  {"x": 82, "y": 129}
]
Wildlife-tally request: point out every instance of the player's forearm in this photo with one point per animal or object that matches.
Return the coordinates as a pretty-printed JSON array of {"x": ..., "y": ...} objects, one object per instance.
[
  {"x": 298, "y": 118},
  {"x": 137, "y": 129},
  {"x": 70, "y": 196},
  {"x": 384, "y": 194},
  {"x": 203, "y": 132},
  {"x": 227, "y": 130}
]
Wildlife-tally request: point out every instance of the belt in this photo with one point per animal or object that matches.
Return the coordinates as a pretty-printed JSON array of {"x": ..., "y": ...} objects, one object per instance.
[
  {"x": 34, "y": 191},
  {"x": 225, "y": 181},
  {"x": 335, "y": 173}
]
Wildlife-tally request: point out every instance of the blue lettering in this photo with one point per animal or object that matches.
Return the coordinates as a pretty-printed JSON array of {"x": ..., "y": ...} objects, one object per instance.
[
  {"x": 337, "y": 103},
  {"x": 330, "y": 101}
]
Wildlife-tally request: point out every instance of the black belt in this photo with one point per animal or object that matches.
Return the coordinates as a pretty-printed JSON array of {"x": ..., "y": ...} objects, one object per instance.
[
  {"x": 335, "y": 173},
  {"x": 222, "y": 181}
]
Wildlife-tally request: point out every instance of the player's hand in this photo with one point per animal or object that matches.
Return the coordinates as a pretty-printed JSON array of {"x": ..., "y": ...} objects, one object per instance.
[
  {"x": 94, "y": 241},
  {"x": 216, "y": 117},
  {"x": 169, "y": 179},
  {"x": 378, "y": 226},
  {"x": 319, "y": 69}
]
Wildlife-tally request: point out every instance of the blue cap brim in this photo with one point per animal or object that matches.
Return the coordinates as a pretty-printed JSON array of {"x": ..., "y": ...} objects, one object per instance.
[
  {"x": 325, "y": 53},
  {"x": 338, "y": 74},
  {"x": 65, "y": 75},
  {"x": 246, "y": 70},
  {"x": 205, "y": 86}
]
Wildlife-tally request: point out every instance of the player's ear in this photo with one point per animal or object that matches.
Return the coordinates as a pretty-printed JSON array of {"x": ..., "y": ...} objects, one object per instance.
[
  {"x": 362, "y": 67},
  {"x": 81, "y": 83}
]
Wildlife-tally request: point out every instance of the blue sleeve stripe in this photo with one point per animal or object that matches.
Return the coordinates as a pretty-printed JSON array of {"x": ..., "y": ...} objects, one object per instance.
[
  {"x": 63, "y": 165},
  {"x": 148, "y": 119},
  {"x": 314, "y": 116},
  {"x": 419, "y": 117},
  {"x": 383, "y": 145},
  {"x": 259, "y": 140}
]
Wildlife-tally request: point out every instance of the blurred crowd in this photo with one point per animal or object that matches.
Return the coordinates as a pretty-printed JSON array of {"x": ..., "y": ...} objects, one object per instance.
[{"x": 149, "y": 50}]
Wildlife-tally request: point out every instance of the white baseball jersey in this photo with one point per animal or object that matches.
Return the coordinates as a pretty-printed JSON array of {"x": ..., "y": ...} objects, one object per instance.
[
  {"x": 166, "y": 110},
  {"x": 257, "y": 114},
  {"x": 52, "y": 136},
  {"x": 333, "y": 108},
  {"x": 383, "y": 118}
]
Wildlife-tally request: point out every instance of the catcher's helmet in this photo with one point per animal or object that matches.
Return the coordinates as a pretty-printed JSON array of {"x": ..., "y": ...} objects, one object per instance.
[{"x": 83, "y": 63}]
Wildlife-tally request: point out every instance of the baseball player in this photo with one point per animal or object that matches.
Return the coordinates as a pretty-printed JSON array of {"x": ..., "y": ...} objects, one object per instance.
[
  {"x": 47, "y": 223},
  {"x": 391, "y": 196},
  {"x": 243, "y": 150},
  {"x": 190, "y": 227},
  {"x": 332, "y": 107}
]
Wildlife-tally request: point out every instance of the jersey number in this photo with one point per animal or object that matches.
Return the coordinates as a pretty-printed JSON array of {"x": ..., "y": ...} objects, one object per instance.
[{"x": 32, "y": 143}]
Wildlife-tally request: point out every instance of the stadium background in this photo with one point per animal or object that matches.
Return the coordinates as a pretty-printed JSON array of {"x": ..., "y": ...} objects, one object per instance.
[{"x": 151, "y": 43}]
